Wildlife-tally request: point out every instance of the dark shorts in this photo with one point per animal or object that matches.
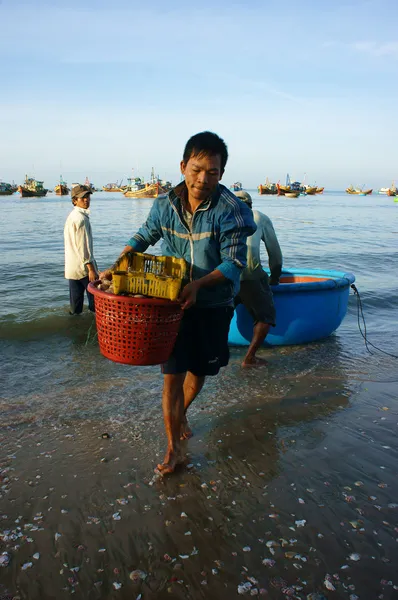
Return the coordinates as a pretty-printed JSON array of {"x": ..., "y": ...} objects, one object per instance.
[
  {"x": 202, "y": 342},
  {"x": 256, "y": 297}
]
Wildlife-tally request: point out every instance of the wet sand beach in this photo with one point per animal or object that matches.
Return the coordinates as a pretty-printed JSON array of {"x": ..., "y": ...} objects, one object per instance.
[{"x": 290, "y": 489}]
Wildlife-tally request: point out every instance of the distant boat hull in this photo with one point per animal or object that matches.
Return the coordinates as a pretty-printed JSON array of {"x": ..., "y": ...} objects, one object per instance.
[
  {"x": 355, "y": 192},
  {"x": 6, "y": 193},
  {"x": 61, "y": 190},
  {"x": 311, "y": 191},
  {"x": 152, "y": 190},
  {"x": 30, "y": 193},
  {"x": 264, "y": 190},
  {"x": 291, "y": 194}
]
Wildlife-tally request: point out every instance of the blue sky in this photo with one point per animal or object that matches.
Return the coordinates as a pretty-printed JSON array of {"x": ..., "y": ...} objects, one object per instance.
[{"x": 97, "y": 88}]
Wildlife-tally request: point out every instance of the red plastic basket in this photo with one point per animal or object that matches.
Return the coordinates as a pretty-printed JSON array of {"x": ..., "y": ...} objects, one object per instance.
[{"x": 135, "y": 331}]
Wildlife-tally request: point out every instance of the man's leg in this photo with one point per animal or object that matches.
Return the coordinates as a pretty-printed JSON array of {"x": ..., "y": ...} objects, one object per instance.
[
  {"x": 173, "y": 411},
  {"x": 76, "y": 296},
  {"x": 260, "y": 332},
  {"x": 90, "y": 297},
  {"x": 257, "y": 298},
  {"x": 193, "y": 384}
]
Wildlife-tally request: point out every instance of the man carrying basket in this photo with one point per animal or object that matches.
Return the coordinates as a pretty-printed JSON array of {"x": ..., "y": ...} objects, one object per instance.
[{"x": 201, "y": 221}]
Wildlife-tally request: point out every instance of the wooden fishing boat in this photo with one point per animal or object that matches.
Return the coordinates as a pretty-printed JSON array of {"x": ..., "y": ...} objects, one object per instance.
[
  {"x": 311, "y": 191},
  {"x": 392, "y": 192},
  {"x": 150, "y": 190},
  {"x": 61, "y": 189},
  {"x": 32, "y": 188},
  {"x": 155, "y": 188},
  {"x": 115, "y": 187},
  {"x": 6, "y": 189},
  {"x": 292, "y": 194},
  {"x": 310, "y": 305},
  {"x": 358, "y": 191},
  {"x": 268, "y": 188}
]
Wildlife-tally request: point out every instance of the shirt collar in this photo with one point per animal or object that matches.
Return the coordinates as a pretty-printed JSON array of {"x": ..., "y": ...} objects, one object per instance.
[
  {"x": 85, "y": 211},
  {"x": 180, "y": 192}
]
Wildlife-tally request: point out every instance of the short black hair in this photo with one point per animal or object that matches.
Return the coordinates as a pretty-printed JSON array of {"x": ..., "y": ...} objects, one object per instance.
[{"x": 207, "y": 143}]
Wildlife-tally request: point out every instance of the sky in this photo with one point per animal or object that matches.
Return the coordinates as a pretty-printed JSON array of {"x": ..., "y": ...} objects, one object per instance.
[{"x": 97, "y": 88}]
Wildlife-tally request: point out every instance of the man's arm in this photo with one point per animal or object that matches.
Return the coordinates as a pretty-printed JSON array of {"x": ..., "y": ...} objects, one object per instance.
[
  {"x": 273, "y": 249},
  {"x": 82, "y": 239}
]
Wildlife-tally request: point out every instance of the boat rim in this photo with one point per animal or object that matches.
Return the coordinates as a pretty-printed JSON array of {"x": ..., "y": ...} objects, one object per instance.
[{"x": 328, "y": 279}]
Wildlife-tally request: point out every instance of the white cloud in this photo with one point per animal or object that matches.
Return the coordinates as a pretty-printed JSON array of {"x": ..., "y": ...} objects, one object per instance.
[{"x": 389, "y": 49}]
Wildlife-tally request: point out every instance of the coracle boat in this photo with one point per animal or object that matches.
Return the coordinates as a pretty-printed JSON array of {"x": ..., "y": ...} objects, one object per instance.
[
  {"x": 6, "y": 189},
  {"x": 32, "y": 188},
  {"x": 61, "y": 189},
  {"x": 310, "y": 305},
  {"x": 358, "y": 191}
]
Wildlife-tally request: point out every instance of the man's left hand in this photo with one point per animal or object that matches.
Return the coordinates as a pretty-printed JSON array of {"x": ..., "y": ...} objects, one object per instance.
[
  {"x": 188, "y": 295},
  {"x": 92, "y": 274}
]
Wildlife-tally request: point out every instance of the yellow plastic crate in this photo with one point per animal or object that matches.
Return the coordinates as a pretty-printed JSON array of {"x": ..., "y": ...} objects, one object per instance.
[{"x": 149, "y": 275}]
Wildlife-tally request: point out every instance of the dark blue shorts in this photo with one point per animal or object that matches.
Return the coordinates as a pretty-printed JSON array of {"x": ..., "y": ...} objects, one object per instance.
[
  {"x": 256, "y": 296},
  {"x": 202, "y": 342}
]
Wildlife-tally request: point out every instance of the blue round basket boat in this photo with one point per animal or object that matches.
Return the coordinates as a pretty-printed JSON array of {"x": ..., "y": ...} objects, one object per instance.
[{"x": 310, "y": 305}]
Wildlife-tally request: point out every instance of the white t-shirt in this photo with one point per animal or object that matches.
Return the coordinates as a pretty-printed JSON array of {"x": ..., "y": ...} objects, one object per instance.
[{"x": 78, "y": 239}]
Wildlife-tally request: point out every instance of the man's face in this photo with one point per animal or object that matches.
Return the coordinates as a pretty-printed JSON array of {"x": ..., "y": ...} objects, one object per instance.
[
  {"x": 83, "y": 202},
  {"x": 202, "y": 174}
]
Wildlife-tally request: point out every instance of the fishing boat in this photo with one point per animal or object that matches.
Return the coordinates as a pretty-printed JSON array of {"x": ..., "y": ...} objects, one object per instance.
[
  {"x": 61, "y": 189},
  {"x": 358, "y": 191},
  {"x": 311, "y": 191},
  {"x": 92, "y": 187},
  {"x": 268, "y": 188},
  {"x": 289, "y": 187},
  {"x": 319, "y": 190},
  {"x": 6, "y": 189},
  {"x": 32, "y": 188},
  {"x": 236, "y": 187},
  {"x": 155, "y": 188},
  {"x": 310, "y": 305},
  {"x": 391, "y": 191},
  {"x": 292, "y": 194},
  {"x": 115, "y": 187}
]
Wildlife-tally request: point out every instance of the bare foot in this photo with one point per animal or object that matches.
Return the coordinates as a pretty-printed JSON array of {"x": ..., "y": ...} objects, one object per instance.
[
  {"x": 254, "y": 362},
  {"x": 186, "y": 431},
  {"x": 171, "y": 460}
]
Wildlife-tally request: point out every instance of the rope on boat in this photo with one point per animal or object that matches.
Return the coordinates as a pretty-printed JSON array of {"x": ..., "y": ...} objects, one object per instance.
[{"x": 364, "y": 332}]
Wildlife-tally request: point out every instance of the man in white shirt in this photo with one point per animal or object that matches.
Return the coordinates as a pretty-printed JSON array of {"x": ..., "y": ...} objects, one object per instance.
[
  {"x": 255, "y": 292},
  {"x": 80, "y": 265}
]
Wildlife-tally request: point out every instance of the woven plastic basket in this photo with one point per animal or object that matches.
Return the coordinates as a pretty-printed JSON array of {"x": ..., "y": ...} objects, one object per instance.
[
  {"x": 149, "y": 275},
  {"x": 135, "y": 331}
]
